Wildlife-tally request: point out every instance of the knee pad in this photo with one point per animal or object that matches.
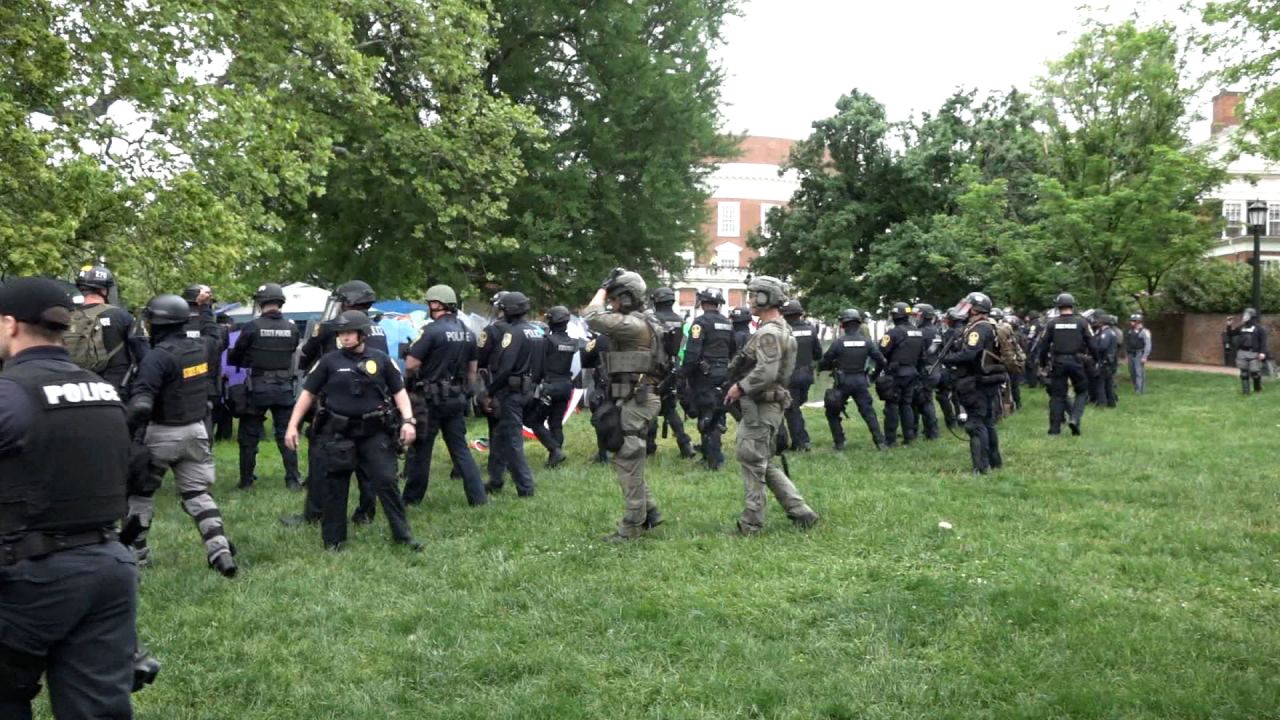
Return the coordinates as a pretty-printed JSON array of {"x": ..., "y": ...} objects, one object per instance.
[{"x": 19, "y": 675}]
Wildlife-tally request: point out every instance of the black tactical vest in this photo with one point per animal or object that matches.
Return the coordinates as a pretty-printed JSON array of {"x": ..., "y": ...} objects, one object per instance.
[
  {"x": 717, "y": 338},
  {"x": 806, "y": 337},
  {"x": 673, "y": 324},
  {"x": 560, "y": 351},
  {"x": 182, "y": 400},
  {"x": 1248, "y": 340},
  {"x": 933, "y": 342},
  {"x": 274, "y": 340},
  {"x": 71, "y": 475},
  {"x": 908, "y": 350},
  {"x": 1068, "y": 335},
  {"x": 377, "y": 339},
  {"x": 854, "y": 351},
  {"x": 1133, "y": 342}
]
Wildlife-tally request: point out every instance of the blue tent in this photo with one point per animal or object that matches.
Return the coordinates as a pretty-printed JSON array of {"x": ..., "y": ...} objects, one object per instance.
[{"x": 399, "y": 307}]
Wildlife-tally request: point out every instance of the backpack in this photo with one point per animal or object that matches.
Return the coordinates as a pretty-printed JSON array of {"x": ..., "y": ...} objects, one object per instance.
[
  {"x": 1012, "y": 355},
  {"x": 661, "y": 352},
  {"x": 85, "y": 339}
]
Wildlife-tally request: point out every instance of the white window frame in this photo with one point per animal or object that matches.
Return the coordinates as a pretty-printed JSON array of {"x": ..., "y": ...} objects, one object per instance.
[
  {"x": 727, "y": 255},
  {"x": 764, "y": 217},
  {"x": 728, "y": 219},
  {"x": 1233, "y": 212},
  {"x": 1273, "y": 220}
]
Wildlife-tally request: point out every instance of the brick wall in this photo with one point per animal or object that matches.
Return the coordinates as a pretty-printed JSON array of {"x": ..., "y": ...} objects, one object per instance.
[{"x": 1196, "y": 338}]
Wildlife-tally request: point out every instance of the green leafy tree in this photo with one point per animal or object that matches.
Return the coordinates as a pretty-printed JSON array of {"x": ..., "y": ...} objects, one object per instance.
[{"x": 1244, "y": 35}]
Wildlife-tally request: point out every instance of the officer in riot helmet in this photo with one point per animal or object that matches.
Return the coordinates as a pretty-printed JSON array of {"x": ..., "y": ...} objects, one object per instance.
[
  {"x": 740, "y": 318},
  {"x": 517, "y": 366},
  {"x": 265, "y": 348},
  {"x": 101, "y": 337},
  {"x": 706, "y": 369},
  {"x": 848, "y": 357},
  {"x": 554, "y": 392},
  {"x": 978, "y": 373},
  {"x": 636, "y": 362},
  {"x": 903, "y": 347},
  {"x": 486, "y": 343},
  {"x": 362, "y": 412},
  {"x": 1252, "y": 349},
  {"x": 169, "y": 399},
  {"x": 664, "y": 299},
  {"x": 808, "y": 354},
  {"x": 922, "y": 401},
  {"x": 202, "y": 323},
  {"x": 1065, "y": 351},
  {"x": 1137, "y": 347}
]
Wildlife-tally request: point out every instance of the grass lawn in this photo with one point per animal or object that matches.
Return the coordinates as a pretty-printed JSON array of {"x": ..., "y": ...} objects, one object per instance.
[{"x": 1128, "y": 573}]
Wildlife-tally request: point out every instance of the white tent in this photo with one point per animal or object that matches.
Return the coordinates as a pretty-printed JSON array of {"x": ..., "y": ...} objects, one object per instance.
[{"x": 299, "y": 299}]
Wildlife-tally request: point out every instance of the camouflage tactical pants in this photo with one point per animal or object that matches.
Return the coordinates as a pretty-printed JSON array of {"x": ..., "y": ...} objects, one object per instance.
[
  {"x": 756, "y": 438},
  {"x": 637, "y": 414}
]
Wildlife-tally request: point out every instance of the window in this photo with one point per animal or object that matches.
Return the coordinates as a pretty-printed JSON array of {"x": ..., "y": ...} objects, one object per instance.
[
  {"x": 764, "y": 217},
  {"x": 1234, "y": 213},
  {"x": 727, "y": 220},
  {"x": 727, "y": 255},
  {"x": 1273, "y": 220}
]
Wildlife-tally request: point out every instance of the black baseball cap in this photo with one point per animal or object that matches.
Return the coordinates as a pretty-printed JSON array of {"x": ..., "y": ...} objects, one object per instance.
[{"x": 38, "y": 301}]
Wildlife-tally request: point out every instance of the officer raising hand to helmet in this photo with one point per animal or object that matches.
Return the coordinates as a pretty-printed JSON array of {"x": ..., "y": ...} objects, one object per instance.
[
  {"x": 68, "y": 588},
  {"x": 636, "y": 361},
  {"x": 363, "y": 411}
]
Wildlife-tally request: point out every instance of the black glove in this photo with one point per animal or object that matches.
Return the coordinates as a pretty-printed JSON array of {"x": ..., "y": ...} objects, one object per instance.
[{"x": 613, "y": 275}]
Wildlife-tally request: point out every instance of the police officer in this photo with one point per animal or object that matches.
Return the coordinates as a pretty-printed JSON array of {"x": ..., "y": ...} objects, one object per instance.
[
  {"x": 363, "y": 410},
  {"x": 202, "y": 323},
  {"x": 808, "y": 352},
  {"x": 556, "y": 388},
  {"x": 68, "y": 588},
  {"x": 123, "y": 349},
  {"x": 922, "y": 400},
  {"x": 1107, "y": 348},
  {"x": 848, "y": 357},
  {"x": 761, "y": 372},
  {"x": 740, "y": 318},
  {"x": 1014, "y": 324},
  {"x": 1250, "y": 339},
  {"x": 170, "y": 398},
  {"x": 636, "y": 363},
  {"x": 952, "y": 334},
  {"x": 1065, "y": 349},
  {"x": 441, "y": 369},
  {"x": 903, "y": 348},
  {"x": 706, "y": 368},
  {"x": 1032, "y": 329},
  {"x": 486, "y": 342},
  {"x": 1137, "y": 347},
  {"x": 664, "y": 299},
  {"x": 516, "y": 365},
  {"x": 265, "y": 347},
  {"x": 352, "y": 295},
  {"x": 595, "y": 381},
  {"x": 978, "y": 376}
]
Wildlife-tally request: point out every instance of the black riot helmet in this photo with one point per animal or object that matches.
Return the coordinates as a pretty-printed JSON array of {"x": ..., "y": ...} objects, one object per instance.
[
  {"x": 899, "y": 311},
  {"x": 191, "y": 293},
  {"x": 269, "y": 293},
  {"x": 1064, "y": 300},
  {"x": 740, "y": 314},
  {"x": 356, "y": 293},
  {"x": 792, "y": 308},
  {"x": 849, "y": 316},
  {"x": 663, "y": 296},
  {"x": 352, "y": 320},
  {"x": 711, "y": 296},
  {"x": 1249, "y": 314},
  {"x": 978, "y": 302},
  {"x": 558, "y": 315},
  {"x": 164, "y": 310},
  {"x": 513, "y": 304},
  {"x": 95, "y": 277},
  {"x": 926, "y": 311}
]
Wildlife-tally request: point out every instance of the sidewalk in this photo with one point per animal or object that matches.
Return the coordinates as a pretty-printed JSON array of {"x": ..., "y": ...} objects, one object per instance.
[{"x": 1217, "y": 369}]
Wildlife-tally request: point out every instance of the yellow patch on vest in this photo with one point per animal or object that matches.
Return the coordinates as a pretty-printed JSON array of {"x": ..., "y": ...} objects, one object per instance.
[
  {"x": 974, "y": 338},
  {"x": 695, "y": 332},
  {"x": 195, "y": 371},
  {"x": 484, "y": 337},
  {"x": 591, "y": 346},
  {"x": 371, "y": 367},
  {"x": 506, "y": 340},
  {"x": 884, "y": 341}
]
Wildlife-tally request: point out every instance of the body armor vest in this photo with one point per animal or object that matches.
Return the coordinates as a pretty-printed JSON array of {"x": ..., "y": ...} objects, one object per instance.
[
  {"x": 71, "y": 476},
  {"x": 855, "y": 349},
  {"x": 1247, "y": 339},
  {"x": 274, "y": 340},
  {"x": 717, "y": 338},
  {"x": 909, "y": 349},
  {"x": 1133, "y": 342},
  {"x": 560, "y": 351},
  {"x": 673, "y": 325},
  {"x": 805, "y": 337},
  {"x": 183, "y": 400},
  {"x": 1068, "y": 335}
]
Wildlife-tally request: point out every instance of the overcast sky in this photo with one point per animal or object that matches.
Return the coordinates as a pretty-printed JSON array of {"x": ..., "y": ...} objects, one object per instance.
[{"x": 788, "y": 61}]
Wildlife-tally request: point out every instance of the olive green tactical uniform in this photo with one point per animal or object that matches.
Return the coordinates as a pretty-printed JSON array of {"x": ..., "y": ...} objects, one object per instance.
[
  {"x": 771, "y": 353},
  {"x": 631, "y": 386}
]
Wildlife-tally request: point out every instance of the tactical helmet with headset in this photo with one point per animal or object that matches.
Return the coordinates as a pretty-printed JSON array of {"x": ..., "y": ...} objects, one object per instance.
[
  {"x": 627, "y": 290},
  {"x": 767, "y": 292},
  {"x": 164, "y": 310},
  {"x": 444, "y": 295},
  {"x": 558, "y": 315},
  {"x": 663, "y": 296}
]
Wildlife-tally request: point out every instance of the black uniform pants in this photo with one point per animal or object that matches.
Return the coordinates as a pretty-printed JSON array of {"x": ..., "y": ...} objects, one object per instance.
[
  {"x": 375, "y": 454},
  {"x": 922, "y": 403},
  {"x": 508, "y": 444},
  {"x": 669, "y": 412},
  {"x": 277, "y": 400},
  {"x": 548, "y": 424},
  {"x": 1067, "y": 370},
  {"x": 315, "y": 501},
  {"x": 709, "y": 398},
  {"x": 1104, "y": 393},
  {"x": 799, "y": 389},
  {"x": 980, "y": 402},
  {"x": 71, "y": 617},
  {"x": 452, "y": 423},
  {"x": 857, "y": 387},
  {"x": 947, "y": 399},
  {"x": 900, "y": 409}
]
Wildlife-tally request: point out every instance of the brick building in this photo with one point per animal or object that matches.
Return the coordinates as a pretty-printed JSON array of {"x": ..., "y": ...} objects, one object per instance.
[
  {"x": 1251, "y": 178},
  {"x": 742, "y": 193}
]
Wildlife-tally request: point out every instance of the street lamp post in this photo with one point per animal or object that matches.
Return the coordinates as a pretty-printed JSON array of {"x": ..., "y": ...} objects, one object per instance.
[{"x": 1257, "y": 224}]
